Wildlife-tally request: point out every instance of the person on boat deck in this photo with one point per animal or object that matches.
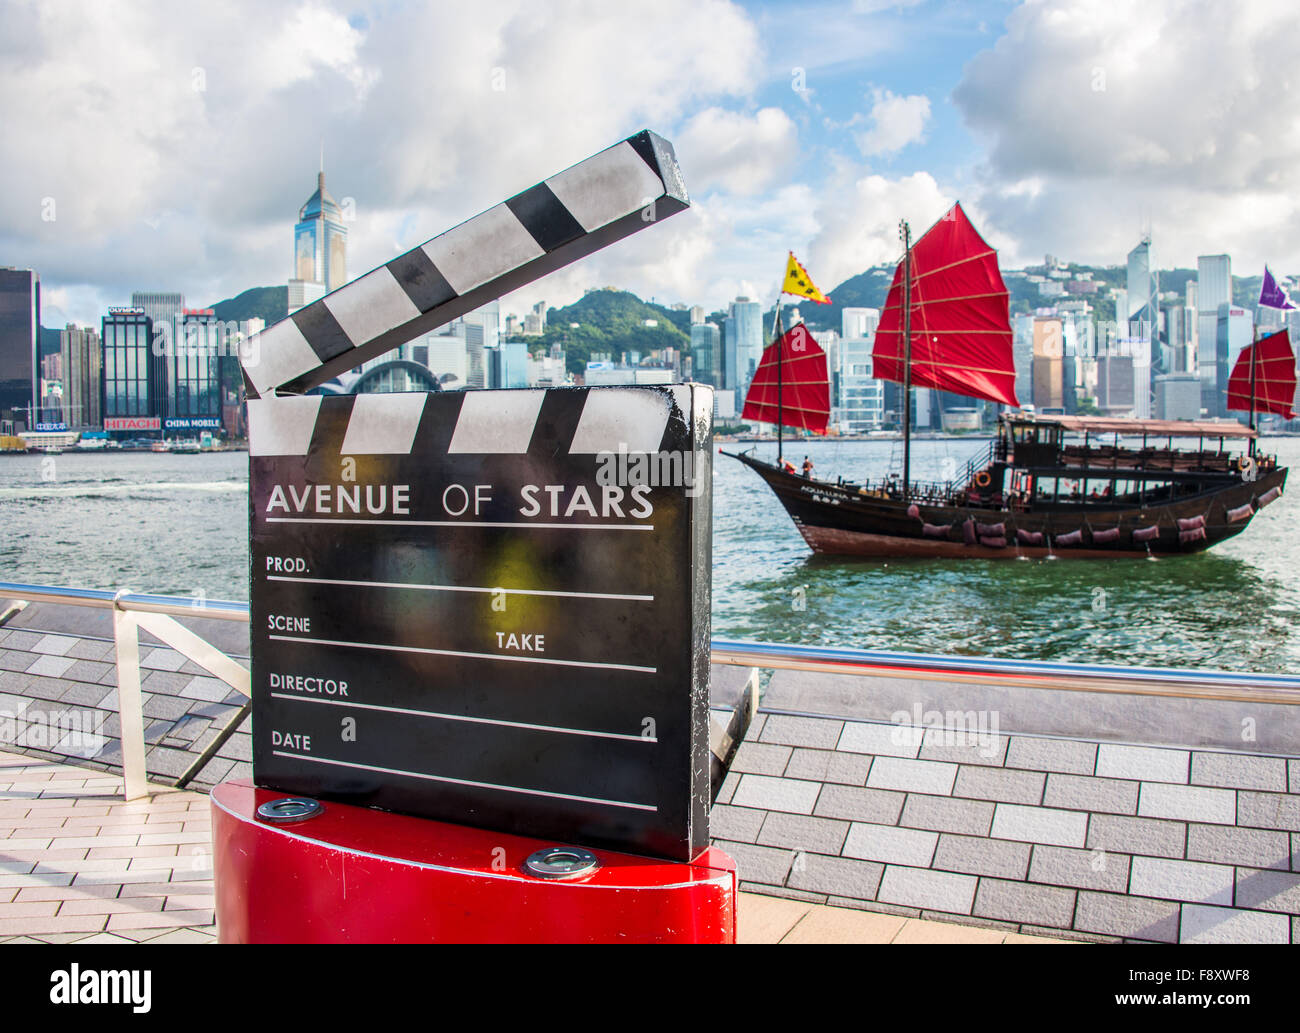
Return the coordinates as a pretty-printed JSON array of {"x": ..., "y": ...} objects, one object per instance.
[
  {"x": 807, "y": 466},
  {"x": 787, "y": 466}
]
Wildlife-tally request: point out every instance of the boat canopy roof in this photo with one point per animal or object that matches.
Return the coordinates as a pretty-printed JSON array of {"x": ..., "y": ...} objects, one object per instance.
[{"x": 1154, "y": 428}]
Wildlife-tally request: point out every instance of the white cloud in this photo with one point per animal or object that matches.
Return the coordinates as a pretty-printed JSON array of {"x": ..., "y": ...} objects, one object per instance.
[
  {"x": 895, "y": 122},
  {"x": 1100, "y": 117},
  {"x": 737, "y": 152},
  {"x": 178, "y": 145}
]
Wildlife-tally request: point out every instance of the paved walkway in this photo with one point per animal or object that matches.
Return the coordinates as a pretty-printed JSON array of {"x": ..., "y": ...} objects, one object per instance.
[{"x": 77, "y": 864}]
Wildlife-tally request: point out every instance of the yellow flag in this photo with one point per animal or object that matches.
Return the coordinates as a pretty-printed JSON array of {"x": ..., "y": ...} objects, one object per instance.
[{"x": 799, "y": 283}]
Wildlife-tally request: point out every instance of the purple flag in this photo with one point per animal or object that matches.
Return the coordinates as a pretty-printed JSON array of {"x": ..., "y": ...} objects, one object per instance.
[{"x": 1272, "y": 295}]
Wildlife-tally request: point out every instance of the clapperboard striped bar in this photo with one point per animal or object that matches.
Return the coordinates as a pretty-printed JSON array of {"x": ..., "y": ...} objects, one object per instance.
[
  {"x": 488, "y": 607},
  {"x": 609, "y": 196}
]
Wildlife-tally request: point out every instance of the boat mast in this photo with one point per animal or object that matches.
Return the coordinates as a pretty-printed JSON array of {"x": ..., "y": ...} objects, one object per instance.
[
  {"x": 1254, "y": 358},
  {"x": 776, "y": 333},
  {"x": 906, "y": 232}
]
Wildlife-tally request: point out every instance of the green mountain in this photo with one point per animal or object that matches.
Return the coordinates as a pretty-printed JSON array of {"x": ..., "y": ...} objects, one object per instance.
[
  {"x": 268, "y": 303},
  {"x": 612, "y": 321}
]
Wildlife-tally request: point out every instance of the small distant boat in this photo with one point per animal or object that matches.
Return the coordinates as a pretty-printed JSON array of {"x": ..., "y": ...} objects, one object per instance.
[
  {"x": 1069, "y": 486},
  {"x": 160, "y": 446}
]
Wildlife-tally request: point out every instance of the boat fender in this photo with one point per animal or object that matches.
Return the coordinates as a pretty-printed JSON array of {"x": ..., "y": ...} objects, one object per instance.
[
  {"x": 914, "y": 511},
  {"x": 1146, "y": 534},
  {"x": 1271, "y": 495},
  {"x": 968, "y": 532},
  {"x": 1194, "y": 534},
  {"x": 999, "y": 542},
  {"x": 1240, "y": 513},
  {"x": 1191, "y": 523},
  {"x": 991, "y": 530},
  {"x": 982, "y": 479},
  {"x": 934, "y": 530},
  {"x": 1110, "y": 535},
  {"x": 1029, "y": 537},
  {"x": 1073, "y": 538}
]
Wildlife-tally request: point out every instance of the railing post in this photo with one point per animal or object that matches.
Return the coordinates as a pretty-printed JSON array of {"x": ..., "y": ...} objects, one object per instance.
[{"x": 130, "y": 703}]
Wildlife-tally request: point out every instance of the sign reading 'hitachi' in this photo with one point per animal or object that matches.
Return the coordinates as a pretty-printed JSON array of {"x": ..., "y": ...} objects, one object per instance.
[{"x": 489, "y": 608}]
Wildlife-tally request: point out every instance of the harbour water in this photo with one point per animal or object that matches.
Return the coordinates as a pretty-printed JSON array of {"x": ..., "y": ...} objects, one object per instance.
[{"x": 178, "y": 524}]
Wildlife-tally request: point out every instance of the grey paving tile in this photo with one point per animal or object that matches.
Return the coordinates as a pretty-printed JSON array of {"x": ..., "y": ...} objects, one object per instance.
[
  {"x": 15, "y": 660},
  {"x": 760, "y": 759},
  {"x": 24, "y": 640},
  {"x": 161, "y": 660},
  {"x": 1188, "y": 803},
  {"x": 913, "y": 776},
  {"x": 975, "y": 855},
  {"x": 214, "y": 771},
  {"x": 1040, "y": 825},
  {"x": 14, "y": 681},
  {"x": 970, "y": 743},
  {"x": 46, "y": 688},
  {"x": 785, "y": 892},
  {"x": 1142, "y": 763},
  {"x": 776, "y": 794},
  {"x": 1205, "y": 924},
  {"x": 238, "y": 747},
  {"x": 1293, "y": 775},
  {"x": 1149, "y": 836},
  {"x": 804, "y": 833},
  {"x": 1265, "y": 890},
  {"x": 54, "y": 645},
  {"x": 1120, "y": 915},
  {"x": 1088, "y": 793},
  {"x": 93, "y": 649},
  {"x": 1239, "y": 771},
  {"x": 163, "y": 760},
  {"x": 874, "y": 805},
  {"x": 1082, "y": 869},
  {"x": 165, "y": 708},
  {"x": 726, "y": 791},
  {"x": 167, "y": 683},
  {"x": 87, "y": 671},
  {"x": 817, "y": 732},
  {"x": 1268, "y": 810},
  {"x": 767, "y": 865},
  {"x": 890, "y": 844},
  {"x": 882, "y": 740},
  {"x": 84, "y": 695},
  {"x": 1069, "y": 755},
  {"x": 1194, "y": 881},
  {"x": 837, "y": 876},
  {"x": 1231, "y": 844},
  {"x": 50, "y": 666},
  {"x": 1004, "y": 784},
  {"x": 931, "y": 890},
  {"x": 240, "y": 770},
  {"x": 1021, "y": 902},
  {"x": 829, "y": 766},
  {"x": 947, "y": 814}
]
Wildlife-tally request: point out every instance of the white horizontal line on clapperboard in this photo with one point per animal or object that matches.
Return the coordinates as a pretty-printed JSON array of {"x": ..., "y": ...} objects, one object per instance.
[
  {"x": 464, "y": 523},
  {"x": 475, "y": 720},
  {"x": 467, "y": 782},
  {"x": 461, "y": 588},
  {"x": 471, "y": 656}
]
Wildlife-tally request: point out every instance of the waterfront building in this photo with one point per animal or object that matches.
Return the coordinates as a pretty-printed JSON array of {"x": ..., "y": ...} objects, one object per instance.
[
  {"x": 320, "y": 240},
  {"x": 163, "y": 308},
  {"x": 20, "y": 322},
  {"x": 697, "y": 315},
  {"x": 1213, "y": 288},
  {"x": 1048, "y": 364},
  {"x": 133, "y": 376},
  {"x": 507, "y": 364},
  {"x": 1233, "y": 330},
  {"x": 1022, "y": 352},
  {"x": 193, "y": 374},
  {"x": 1178, "y": 396},
  {"x": 82, "y": 362},
  {"x": 859, "y": 322},
  {"x": 304, "y": 292}
]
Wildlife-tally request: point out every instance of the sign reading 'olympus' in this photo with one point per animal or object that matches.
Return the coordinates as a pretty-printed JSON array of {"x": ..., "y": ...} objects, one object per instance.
[{"x": 488, "y": 607}]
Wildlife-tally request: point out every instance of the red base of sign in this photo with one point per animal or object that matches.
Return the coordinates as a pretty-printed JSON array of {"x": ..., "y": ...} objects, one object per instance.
[{"x": 355, "y": 875}]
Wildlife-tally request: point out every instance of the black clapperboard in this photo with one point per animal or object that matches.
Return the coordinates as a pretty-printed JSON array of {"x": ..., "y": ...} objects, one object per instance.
[{"x": 485, "y": 607}]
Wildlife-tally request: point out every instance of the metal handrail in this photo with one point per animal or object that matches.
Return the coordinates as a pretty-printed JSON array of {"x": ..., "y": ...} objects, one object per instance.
[{"x": 1181, "y": 683}]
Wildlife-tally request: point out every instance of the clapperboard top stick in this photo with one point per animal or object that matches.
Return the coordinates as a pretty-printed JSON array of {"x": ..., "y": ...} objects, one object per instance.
[{"x": 572, "y": 214}]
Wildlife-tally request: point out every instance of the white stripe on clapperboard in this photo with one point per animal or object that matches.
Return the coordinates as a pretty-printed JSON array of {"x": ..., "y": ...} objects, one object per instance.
[
  {"x": 467, "y": 782},
  {"x": 461, "y": 588},
  {"x": 605, "y": 187},
  {"x": 472, "y": 720}
]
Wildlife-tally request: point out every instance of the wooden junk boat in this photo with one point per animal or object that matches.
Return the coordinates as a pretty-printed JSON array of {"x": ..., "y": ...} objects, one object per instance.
[{"x": 1048, "y": 485}]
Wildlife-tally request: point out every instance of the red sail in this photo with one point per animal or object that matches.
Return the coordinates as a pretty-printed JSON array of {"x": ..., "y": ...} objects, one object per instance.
[
  {"x": 1274, "y": 377},
  {"x": 805, "y": 388},
  {"x": 961, "y": 323}
]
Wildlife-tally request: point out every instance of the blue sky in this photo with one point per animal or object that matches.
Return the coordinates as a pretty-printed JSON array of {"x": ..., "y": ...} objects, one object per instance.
[{"x": 152, "y": 146}]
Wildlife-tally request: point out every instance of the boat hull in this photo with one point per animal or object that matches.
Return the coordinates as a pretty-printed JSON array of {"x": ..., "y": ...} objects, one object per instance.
[{"x": 836, "y": 520}]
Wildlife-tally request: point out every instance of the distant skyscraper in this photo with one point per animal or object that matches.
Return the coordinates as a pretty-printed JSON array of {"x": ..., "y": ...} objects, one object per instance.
[
  {"x": 1233, "y": 330},
  {"x": 133, "y": 375},
  {"x": 320, "y": 240},
  {"x": 858, "y": 322},
  {"x": 193, "y": 381},
  {"x": 706, "y": 354},
  {"x": 82, "y": 375},
  {"x": 20, "y": 322},
  {"x": 1213, "y": 288},
  {"x": 697, "y": 315},
  {"x": 162, "y": 307},
  {"x": 1141, "y": 328},
  {"x": 743, "y": 343},
  {"x": 859, "y": 397}
]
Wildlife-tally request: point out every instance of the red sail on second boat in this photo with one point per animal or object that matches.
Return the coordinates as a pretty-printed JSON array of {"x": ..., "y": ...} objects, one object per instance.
[
  {"x": 804, "y": 388},
  {"x": 1274, "y": 377},
  {"x": 961, "y": 323}
]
